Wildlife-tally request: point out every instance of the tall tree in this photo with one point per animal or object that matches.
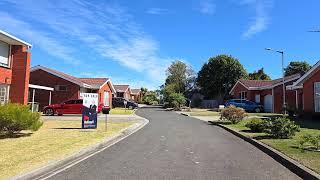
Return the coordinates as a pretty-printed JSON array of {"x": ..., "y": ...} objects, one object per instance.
[
  {"x": 259, "y": 75},
  {"x": 179, "y": 77},
  {"x": 218, "y": 75},
  {"x": 296, "y": 67}
]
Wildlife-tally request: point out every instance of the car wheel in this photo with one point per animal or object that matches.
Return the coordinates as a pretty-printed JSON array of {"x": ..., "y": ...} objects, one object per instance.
[
  {"x": 49, "y": 112},
  {"x": 257, "y": 110}
]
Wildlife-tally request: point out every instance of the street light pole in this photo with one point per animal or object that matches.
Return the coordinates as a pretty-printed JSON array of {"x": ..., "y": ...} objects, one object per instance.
[
  {"x": 283, "y": 78},
  {"x": 283, "y": 84}
]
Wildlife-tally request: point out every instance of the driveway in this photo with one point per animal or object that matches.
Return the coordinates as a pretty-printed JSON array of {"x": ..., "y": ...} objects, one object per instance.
[{"x": 173, "y": 146}]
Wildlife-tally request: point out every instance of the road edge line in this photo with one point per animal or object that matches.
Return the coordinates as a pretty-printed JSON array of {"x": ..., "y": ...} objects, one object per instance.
[{"x": 56, "y": 167}]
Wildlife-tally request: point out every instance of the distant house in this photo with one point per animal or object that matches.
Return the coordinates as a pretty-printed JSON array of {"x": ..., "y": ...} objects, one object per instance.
[
  {"x": 307, "y": 91},
  {"x": 68, "y": 87},
  {"x": 14, "y": 69},
  {"x": 136, "y": 95},
  {"x": 269, "y": 93},
  {"x": 123, "y": 91}
]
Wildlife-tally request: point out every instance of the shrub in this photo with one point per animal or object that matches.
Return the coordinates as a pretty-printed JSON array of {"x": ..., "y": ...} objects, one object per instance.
[
  {"x": 282, "y": 128},
  {"x": 257, "y": 125},
  {"x": 176, "y": 100},
  {"x": 313, "y": 140},
  {"x": 233, "y": 114},
  {"x": 15, "y": 118},
  {"x": 154, "y": 103}
]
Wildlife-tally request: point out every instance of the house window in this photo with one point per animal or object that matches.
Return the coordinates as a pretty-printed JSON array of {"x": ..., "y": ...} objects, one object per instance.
[
  {"x": 61, "y": 88},
  {"x": 243, "y": 95},
  {"x": 4, "y": 94},
  {"x": 4, "y": 54}
]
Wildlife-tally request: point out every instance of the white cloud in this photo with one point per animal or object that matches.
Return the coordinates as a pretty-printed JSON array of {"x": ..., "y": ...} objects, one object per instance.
[
  {"x": 157, "y": 11},
  {"x": 37, "y": 38},
  {"x": 207, "y": 7},
  {"x": 104, "y": 28},
  {"x": 261, "y": 19}
]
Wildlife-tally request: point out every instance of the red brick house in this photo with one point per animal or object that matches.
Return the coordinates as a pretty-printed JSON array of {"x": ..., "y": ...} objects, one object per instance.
[
  {"x": 269, "y": 93},
  {"x": 307, "y": 91},
  {"x": 68, "y": 87},
  {"x": 123, "y": 91},
  {"x": 14, "y": 69},
  {"x": 136, "y": 95}
]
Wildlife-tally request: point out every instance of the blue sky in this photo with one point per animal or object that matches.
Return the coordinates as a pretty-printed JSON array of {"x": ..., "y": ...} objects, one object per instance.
[{"x": 134, "y": 41}]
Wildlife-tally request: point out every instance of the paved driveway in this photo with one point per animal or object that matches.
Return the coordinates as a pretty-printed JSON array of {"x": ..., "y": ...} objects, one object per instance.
[{"x": 173, "y": 146}]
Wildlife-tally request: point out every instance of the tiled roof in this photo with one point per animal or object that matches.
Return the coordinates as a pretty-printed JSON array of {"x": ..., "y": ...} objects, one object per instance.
[
  {"x": 121, "y": 88},
  {"x": 135, "y": 91},
  {"x": 60, "y": 74},
  {"x": 94, "y": 81},
  {"x": 265, "y": 83}
]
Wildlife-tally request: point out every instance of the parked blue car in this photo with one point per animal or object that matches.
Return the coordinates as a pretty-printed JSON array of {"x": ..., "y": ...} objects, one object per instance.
[{"x": 248, "y": 106}]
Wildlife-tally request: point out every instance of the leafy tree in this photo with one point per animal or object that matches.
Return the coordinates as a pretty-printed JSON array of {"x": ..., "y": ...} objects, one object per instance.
[
  {"x": 218, "y": 75},
  {"x": 144, "y": 91},
  {"x": 179, "y": 76},
  {"x": 177, "y": 100},
  {"x": 296, "y": 67},
  {"x": 180, "y": 80},
  {"x": 150, "y": 97},
  {"x": 259, "y": 75}
]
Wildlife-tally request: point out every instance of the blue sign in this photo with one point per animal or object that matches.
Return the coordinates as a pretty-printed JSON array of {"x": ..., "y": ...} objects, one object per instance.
[{"x": 89, "y": 117}]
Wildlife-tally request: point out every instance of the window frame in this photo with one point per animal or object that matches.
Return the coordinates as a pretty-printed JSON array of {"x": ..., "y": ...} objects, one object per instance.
[
  {"x": 8, "y": 65},
  {"x": 6, "y": 95},
  {"x": 57, "y": 88},
  {"x": 241, "y": 95}
]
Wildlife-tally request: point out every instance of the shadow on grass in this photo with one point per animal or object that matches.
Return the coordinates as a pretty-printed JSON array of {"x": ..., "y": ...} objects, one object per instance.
[
  {"x": 308, "y": 123},
  {"x": 310, "y": 148},
  {"x": 66, "y": 128},
  {"x": 14, "y": 135},
  {"x": 219, "y": 122},
  {"x": 262, "y": 137}
]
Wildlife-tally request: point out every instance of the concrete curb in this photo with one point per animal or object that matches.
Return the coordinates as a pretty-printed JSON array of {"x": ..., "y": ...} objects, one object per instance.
[
  {"x": 55, "y": 167},
  {"x": 292, "y": 165}
]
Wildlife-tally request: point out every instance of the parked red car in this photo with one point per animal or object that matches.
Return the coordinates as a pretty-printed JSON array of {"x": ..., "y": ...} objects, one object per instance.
[{"x": 71, "y": 107}]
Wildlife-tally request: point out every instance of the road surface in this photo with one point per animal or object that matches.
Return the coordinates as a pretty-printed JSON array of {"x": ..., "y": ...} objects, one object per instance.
[{"x": 173, "y": 146}]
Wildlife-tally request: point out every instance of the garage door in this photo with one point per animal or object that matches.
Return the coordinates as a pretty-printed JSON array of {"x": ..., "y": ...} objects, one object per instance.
[{"x": 268, "y": 103}]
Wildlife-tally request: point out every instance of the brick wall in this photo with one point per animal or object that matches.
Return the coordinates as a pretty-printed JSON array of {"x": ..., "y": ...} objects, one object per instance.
[
  {"x": 43, "y": 78},
  {"x": 20, "y": 75},
  {"x": 308, "y": 92},
  {"x": 105, "y": 88}
]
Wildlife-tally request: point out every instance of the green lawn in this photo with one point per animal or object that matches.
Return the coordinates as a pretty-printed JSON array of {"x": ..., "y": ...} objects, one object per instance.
[
  {"x": 211, "y": 112},
  {"x": 53, "y": 141},
  {"x": 289, "y": 147},
  {"x": 121, "y": 111}
]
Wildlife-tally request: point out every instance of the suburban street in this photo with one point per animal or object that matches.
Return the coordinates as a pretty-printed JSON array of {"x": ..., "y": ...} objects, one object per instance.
[{"x": 173, "y": 146}]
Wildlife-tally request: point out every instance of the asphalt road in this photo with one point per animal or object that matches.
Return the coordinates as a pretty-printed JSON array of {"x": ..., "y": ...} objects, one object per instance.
[{"x": 173, "y": 146}]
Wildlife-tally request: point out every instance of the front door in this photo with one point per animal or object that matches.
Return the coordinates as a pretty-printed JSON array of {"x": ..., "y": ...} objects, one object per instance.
[
  {"x": 317, "y": 96},
  {"x": 106, "y": 98}
]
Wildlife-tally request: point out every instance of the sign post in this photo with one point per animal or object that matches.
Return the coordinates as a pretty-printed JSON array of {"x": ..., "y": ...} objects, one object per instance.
[
  {"x": 89, "y": 111},
  {"x": 125, "y": 105}
]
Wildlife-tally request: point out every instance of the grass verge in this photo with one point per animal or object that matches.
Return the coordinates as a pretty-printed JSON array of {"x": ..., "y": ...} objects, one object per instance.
[
  {"x": 211, "y": 112},
  {"x": 121, "y": 111},
  {"x": 54, "y": 141},
  {"x": 290, "y": 147}
]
